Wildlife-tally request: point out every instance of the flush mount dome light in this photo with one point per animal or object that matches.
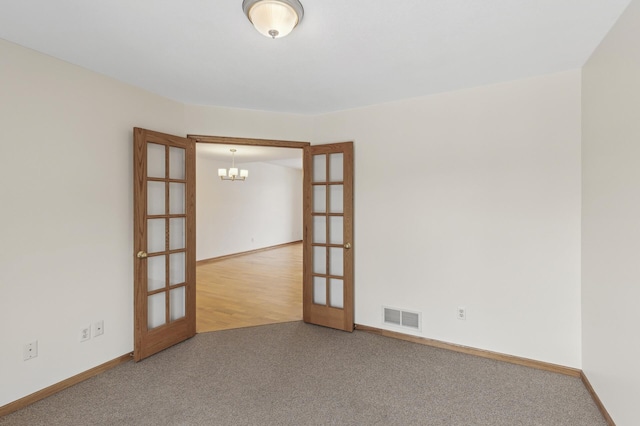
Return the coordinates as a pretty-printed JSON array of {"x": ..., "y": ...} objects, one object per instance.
[{"x": 273, "y": 18}]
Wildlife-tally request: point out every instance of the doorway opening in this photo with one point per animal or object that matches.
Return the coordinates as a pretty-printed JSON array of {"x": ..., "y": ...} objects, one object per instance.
[{"x": 249, "y": 234}]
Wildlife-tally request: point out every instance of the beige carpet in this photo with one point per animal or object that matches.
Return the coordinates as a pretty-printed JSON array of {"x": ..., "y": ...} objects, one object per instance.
[{"x": 299, "y": 374}]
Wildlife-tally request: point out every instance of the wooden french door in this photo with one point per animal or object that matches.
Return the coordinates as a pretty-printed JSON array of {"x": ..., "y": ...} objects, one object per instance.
[
  {"x": 328, "y": 235},
  {"x": 164, "y": 241}
]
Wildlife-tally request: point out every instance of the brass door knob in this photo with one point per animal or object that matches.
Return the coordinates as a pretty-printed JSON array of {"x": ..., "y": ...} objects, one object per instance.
[
  {"x": 142, "y": 255},
  {"x": 347, "y": 246}
]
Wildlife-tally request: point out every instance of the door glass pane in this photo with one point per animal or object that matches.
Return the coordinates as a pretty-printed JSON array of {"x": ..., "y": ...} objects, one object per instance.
[
  {"x": 176, "y": 163},
  {"x": 176, "y": 198},
  {"x": 156, "y": 310},
  {"x": 319, "y": 260},
  {"x": 336, "y": 229},
  {"x": 336, "y": 261},
  {"x": 156, "y": 235},
  {"x": 319, "y": 290},
  {"x": 336, "y": 168},
  {"x": 336, "y": 199},
  {"x": 176, "y": 268},
  {"x": 320, "y": 168},
  {"x": 155, "y": 160},
  {"x": 176, "y": 233},
  {"x": 176, "y": 303},
  {"x": 319, "y": 199},
  {"x": 336, "y": 293},
  {"x": 155, "y": 198},
  {"x": 319, "y": 229},
  {"x": 156, "y": 272}
]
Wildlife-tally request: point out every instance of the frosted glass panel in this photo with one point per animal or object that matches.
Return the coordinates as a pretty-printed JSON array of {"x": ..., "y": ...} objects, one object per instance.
[
  {"x": 176, "y": 303},
  {"x": 156, "y": 272},
  {"x": 336, "y": 167},
  {"x": 319, "y": 290},
  {"x": 176, "y": 198},
  {"x": 319, "y": 260},
  {"x": 336, "y": 199},
  {"x": 336, "y": 261},
  {"x": 176, "y": 163},
  {"x": 156, "y": 234},
  {"x": 155, "y": 160},
  {"x": 336, "y": 229},
  {"x": 320, "y": 168},
  {"x": 176, "y": 233},
  {"x": 156, "y": 310},
  {"x": 176, "y": 268},
  {"x": 155, "y": 198},
  {"x": 319, "y": 229},
  {"x": 336, "y": 293},
  {"x": 319, "y": 199}
]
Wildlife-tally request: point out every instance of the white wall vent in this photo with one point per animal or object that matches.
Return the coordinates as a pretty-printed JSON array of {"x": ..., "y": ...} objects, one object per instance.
[{"x": 402, "y": 318}]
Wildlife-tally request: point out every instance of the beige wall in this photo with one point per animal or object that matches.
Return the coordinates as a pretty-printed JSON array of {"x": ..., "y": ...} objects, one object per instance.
[
  {"x": 66, "y": 214},
  {"x": 263, "y": 211},
  {"x": 241, "y": 123},
  {"x": 611, "y": 219},
  {"x": 472, "y": 198}
]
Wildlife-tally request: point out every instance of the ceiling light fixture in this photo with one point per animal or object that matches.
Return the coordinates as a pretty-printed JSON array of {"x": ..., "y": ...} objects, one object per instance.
[
  {"x": 273, "y": 18},
  {"x": 233, "y": 171}
]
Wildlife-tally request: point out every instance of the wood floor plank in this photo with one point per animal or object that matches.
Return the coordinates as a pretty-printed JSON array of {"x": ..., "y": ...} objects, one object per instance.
[{"x": 249, "y": 290}]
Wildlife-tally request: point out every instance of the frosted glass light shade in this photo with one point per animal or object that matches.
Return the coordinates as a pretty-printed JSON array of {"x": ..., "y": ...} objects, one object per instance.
[
  {"x": 273, "y": 18},
  {"x": 233, "y": 171}
]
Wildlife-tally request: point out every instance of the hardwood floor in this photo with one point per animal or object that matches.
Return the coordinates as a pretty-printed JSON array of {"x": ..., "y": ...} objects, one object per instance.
[{"x": 248, "y": 290}]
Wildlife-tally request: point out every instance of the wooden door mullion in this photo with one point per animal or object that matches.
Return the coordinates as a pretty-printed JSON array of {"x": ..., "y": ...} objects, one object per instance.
[
  {"x": 326, "y": 241},
  {"x": 167, "y": 234}
]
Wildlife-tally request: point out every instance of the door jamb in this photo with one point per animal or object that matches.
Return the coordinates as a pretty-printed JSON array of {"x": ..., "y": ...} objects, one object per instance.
[{"x": 225, "y": 140}]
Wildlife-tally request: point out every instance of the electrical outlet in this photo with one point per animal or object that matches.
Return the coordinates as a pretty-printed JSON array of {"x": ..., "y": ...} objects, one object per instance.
[
  {"x": 30, "y": 350},
  {"x": 98, "y": 328},
  {"x": 461, "y": 313},
  {"x": 85, "y": 333}
]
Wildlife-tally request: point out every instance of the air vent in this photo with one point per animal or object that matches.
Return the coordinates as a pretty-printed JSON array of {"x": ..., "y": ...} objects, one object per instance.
[
  {"x": 392, "y": 316},
  {"x": 402, "y": 318}
]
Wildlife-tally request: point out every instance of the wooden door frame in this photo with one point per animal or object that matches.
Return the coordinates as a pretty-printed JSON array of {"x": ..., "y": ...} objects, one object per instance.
[{"x": 226, "y": 140}]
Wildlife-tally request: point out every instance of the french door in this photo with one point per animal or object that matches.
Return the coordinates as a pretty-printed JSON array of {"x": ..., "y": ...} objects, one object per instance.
[
  {"x": 164, "y": 241},
  {"x": 328, "y": 235}
]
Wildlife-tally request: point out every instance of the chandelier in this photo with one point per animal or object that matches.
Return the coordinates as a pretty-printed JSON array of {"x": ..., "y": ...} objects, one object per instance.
[
  {"x": 233, "y": 171},
  {"x": 273, "y": 18}
]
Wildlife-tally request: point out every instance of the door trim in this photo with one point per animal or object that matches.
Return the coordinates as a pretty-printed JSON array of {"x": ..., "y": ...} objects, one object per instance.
[{"x": 226, "y": 140}]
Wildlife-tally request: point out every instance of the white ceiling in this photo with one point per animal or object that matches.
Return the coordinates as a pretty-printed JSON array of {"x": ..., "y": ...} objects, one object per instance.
[
  {"x": 344, "y": 54},
  {"x": 287, "y": 157}
]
